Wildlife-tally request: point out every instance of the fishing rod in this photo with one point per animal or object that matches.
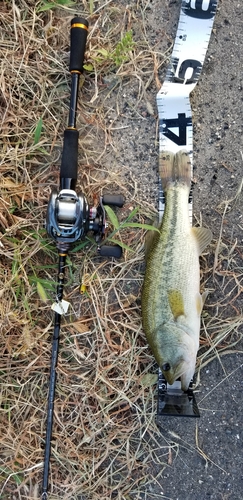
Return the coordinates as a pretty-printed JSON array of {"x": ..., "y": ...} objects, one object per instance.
[{"x": 69, "y": 218}]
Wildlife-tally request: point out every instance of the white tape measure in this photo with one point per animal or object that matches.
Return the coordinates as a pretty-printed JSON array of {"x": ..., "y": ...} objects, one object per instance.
[{"x": 175, "y": 115}]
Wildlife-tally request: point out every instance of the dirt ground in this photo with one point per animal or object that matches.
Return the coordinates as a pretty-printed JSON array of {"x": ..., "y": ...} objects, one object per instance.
[{"x": 117, "y": 118}]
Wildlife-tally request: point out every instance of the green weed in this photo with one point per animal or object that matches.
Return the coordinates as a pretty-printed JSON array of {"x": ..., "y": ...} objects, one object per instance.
[
  {"x": 44, "y": 5},
  {"x": 91, "y": 6},
  {"x": 38, "y": 131},
  {"x": 5, "y": 473},
  {"x": 121, "y": 52},
  {"x": 118, "y": 56},
  {"x": 119, "y": 226}
]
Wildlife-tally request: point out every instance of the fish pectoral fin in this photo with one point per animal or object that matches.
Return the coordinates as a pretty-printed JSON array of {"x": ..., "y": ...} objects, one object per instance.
[
  {"x": 176, "y": 302},
  {"x": 200, "y": 300},
  {"x": 204, "y": 296},
  {"x": 203, "y": 237},
  {"x": 199, "y": 303}
]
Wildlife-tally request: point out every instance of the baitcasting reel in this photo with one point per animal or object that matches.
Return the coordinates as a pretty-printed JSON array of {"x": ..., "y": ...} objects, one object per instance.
[{"x": 70, "y": 218}]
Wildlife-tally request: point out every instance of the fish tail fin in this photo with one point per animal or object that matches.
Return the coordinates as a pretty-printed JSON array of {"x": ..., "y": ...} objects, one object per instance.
[{"x": 175, "y": 169}]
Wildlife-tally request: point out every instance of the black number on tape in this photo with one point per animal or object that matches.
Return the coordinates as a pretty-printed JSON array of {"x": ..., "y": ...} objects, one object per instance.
[
  {"x": 193, "y": 65},
  {"x": 182, "y": 122},
  {"x": 195, "y": 8}
]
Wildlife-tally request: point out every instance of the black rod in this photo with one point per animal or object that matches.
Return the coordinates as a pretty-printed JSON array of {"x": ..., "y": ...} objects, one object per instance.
[
  {"x": 53, "y": 374},
  {"x": 73, "y": 101},
  {"x": 68, "y": 178}
]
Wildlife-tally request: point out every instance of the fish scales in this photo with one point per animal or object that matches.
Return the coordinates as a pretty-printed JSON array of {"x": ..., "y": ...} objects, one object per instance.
[
  {"x": 172, "y": 261},
  {"x": 171, "y": 300}
]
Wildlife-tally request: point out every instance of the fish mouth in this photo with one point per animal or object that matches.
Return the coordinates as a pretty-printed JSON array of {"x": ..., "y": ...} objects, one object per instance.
[
  {"x": 175, "y": 375},
  {"x": 170, "y": 378},
  {"x": 183, "y": 372}
]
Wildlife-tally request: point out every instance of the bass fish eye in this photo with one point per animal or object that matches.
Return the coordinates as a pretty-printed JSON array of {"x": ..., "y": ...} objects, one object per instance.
[{"x": 166, "y": 367}]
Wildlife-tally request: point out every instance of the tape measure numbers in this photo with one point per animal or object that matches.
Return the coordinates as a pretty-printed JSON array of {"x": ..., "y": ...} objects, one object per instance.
[{"x": 186, "y": 62}]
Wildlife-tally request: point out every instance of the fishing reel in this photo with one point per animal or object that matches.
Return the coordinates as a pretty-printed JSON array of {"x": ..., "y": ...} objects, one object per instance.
[{"x": 70, "y": 218}]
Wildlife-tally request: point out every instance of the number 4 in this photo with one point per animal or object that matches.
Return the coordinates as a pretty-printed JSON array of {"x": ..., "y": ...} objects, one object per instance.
[{"x": 182, "y": 122}]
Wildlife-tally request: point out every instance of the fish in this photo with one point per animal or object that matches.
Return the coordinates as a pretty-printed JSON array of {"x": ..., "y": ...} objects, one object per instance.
[{"x": 171, "y": 299}]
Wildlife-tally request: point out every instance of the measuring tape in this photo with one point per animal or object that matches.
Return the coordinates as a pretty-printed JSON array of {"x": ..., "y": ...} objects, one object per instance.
[{"x": 175, "y": 114}]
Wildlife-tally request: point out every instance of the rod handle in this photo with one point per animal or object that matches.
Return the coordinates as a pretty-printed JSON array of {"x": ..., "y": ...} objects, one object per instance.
[
  {"x": 79, "y": 31},
  {"x": 69, "y": 164}
]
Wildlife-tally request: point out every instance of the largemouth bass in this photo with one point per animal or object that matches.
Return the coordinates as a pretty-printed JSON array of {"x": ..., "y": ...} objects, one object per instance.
[{"x": 171, "y": 299}]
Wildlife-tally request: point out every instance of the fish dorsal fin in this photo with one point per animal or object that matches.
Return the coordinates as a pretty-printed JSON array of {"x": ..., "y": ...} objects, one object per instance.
[
  {"x": 176, "y": 303},
  {"x": 203, "y": 237}
]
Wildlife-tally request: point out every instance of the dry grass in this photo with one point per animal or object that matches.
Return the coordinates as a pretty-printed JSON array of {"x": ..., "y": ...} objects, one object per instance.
[{"x": 104, "y": 436}]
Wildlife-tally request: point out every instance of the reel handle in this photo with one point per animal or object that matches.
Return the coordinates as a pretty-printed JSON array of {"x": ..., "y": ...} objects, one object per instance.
[
  {"x": 116, "y": 200},
  {"x": 110, "y": 251},
  {"x": 79, "y": 31}
]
